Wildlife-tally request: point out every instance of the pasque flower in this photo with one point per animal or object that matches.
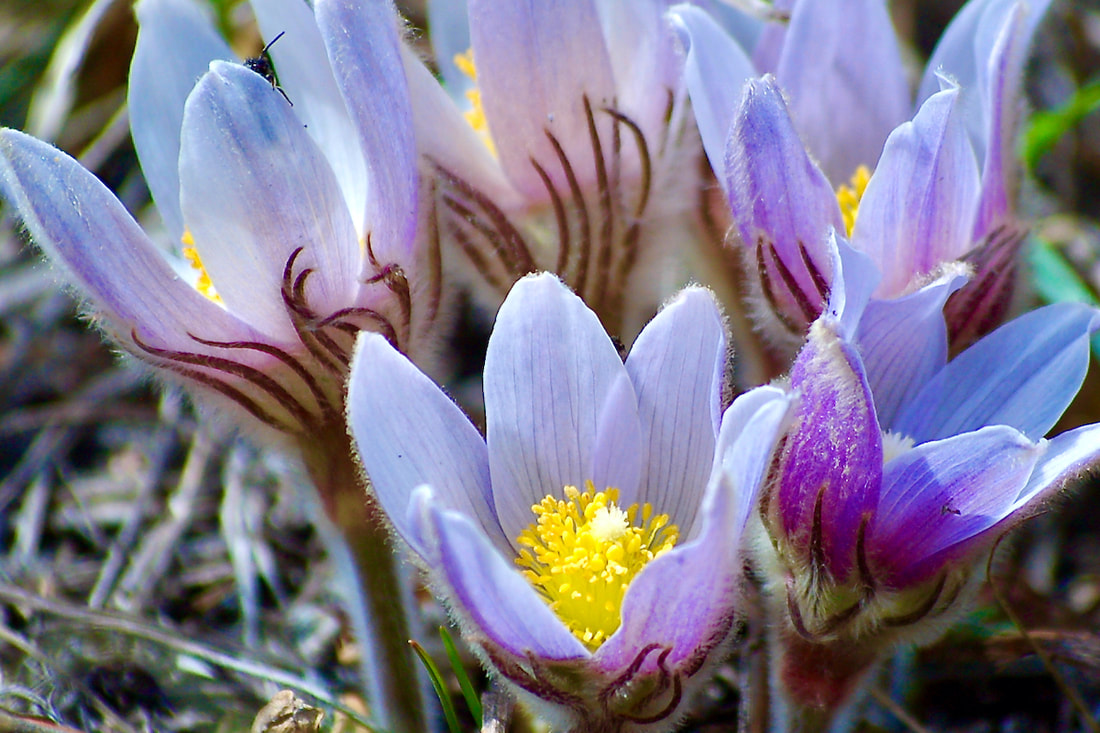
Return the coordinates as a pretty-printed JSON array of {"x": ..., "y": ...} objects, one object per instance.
[
  {"x": 292, "y": 224},
  {"x": 902, "y": 467},
  {"x": 943, "y": 186},
  {"x": 286, "y": 251},
  {"x": 588, "y": 546},
  {"x": 569, "y": 149}
]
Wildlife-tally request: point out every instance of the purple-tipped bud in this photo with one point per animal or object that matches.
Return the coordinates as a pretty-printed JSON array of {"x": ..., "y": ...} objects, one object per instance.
[
  {"x": 876, "y": 523},
  {"x": 783, "y": 207}
]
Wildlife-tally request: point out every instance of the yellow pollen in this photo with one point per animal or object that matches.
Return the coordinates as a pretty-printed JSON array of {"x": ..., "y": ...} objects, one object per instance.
[
  {"x": 203, "y": 284},
  {"x": 582, "y": 553},
  {"x": 850, "y": 194},
  {"x": 475, "y": 116}
]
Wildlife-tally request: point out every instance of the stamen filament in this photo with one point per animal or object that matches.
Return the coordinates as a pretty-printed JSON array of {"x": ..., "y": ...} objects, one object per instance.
[
  {"x": 203, "y": 284},
  {"x": 850, "y": 194},
  {"x": 475, "y": 115}
]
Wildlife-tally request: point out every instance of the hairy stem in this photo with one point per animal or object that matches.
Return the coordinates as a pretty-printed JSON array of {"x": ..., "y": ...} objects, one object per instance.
[{"x": 396, "y": 697}]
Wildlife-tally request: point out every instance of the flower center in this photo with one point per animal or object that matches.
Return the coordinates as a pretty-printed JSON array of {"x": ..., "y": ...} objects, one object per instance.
[
  {"x": 850, "y": 194},
  {"x": 583, "y": 552},
  {"x": 476, "y": 114},
  {"x": 203, "y": 284}
]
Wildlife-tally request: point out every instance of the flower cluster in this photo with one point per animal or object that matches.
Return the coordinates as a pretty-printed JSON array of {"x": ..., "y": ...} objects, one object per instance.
[
  {"x": 591, "y": 540},
  {"x": 901, "y": 467},
  {"x": 823, "y": 136}
]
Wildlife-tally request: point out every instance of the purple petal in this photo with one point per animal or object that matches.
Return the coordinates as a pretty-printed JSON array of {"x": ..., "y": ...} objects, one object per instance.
[
  {"x": 1070, "y": 457},
  {"x": 938, "y": 497},
  {"x": 86, "y": 230},
  {"x": 715, "y": 70},
  {"x": 677, "y": 365},
  {"x": 445, "y": 138},
  {"x": 685, "y": 600},
  {"x": 176, "y": 43},
  {"x": 857, "y": 276},
  {"x": 831, "y": 464},
  {"x": 409, "y": 433},
  {"x": 927, "y": 167},
  {"x": 616, "y": 460},
  {"x": 750, "y": 428},
  {"x": 644, "y": 57},
  {"x": 1024, "y": 374},
  {"x": 904, "y": 344},
  {"x": 255, "y": 188},
  {"x": 1000, "y": 173},
  {"x": 783, "y": 206},
  {"x": 966, "y": 53},
  {"x": 536, "y": 64},
  {"x": 362, "y": 42},
  {"x": 415, "y": 527},
  {"x": 488, "y": 590},
  {"x": 769, "y": 46},
  {"x": 549, "y": 369},
  {"x": 305, "y": 75},
  {"x": 955, "y": 55},
  {"x": 842, "y": 69}
]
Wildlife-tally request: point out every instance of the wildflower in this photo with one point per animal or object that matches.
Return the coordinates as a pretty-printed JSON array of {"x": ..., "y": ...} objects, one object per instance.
[
  {"x": 287, "y": 252},
  {"x": 588, "y": 545},
  {"x": 795, "y": 153},
  {"x": 262, "y": 304},
  {"x": 572, "y": 151},
  {"x": 901, "y": 468}
]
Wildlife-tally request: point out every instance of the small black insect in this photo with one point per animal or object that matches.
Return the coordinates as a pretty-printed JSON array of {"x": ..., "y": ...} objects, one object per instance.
[{"x": 262, "y": 65}]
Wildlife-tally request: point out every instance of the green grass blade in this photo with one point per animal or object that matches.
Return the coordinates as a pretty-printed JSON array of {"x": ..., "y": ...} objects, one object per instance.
[
  {"x": 468, "y": 692},
  {"x": 440, "y": 687}
]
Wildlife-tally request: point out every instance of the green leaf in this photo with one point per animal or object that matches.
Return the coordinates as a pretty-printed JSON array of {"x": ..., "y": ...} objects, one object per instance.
[
  {"x": 1046, "y": 128},
  {"x": 468, "y": 692},
  {"x": 440, "y": 686},
  {"x": 1056, "y": 281}
]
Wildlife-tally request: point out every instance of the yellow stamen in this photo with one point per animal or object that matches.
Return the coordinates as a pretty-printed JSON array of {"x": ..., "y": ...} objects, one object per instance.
[
  {"x": 203, "y": 284},
  {"x": 583, "y": 552},
  {"x": 850, "y": 194},
  {"x": 476, "y": 114}
]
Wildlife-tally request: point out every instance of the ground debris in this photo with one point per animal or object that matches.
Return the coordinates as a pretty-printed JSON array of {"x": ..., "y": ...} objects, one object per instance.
[{"x": 287, "y": 714}]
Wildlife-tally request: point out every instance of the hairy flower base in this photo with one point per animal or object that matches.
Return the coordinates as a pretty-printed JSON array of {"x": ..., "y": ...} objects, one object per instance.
[
  {"x": 836, "y": 633},
  {"x": 584, "y": 553},
  {"x": 863, "y": 610},
  {"x": 863, "y": 606},
  {"x": 299, "y": 392},
  {"x": 982, "y": 303}
]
